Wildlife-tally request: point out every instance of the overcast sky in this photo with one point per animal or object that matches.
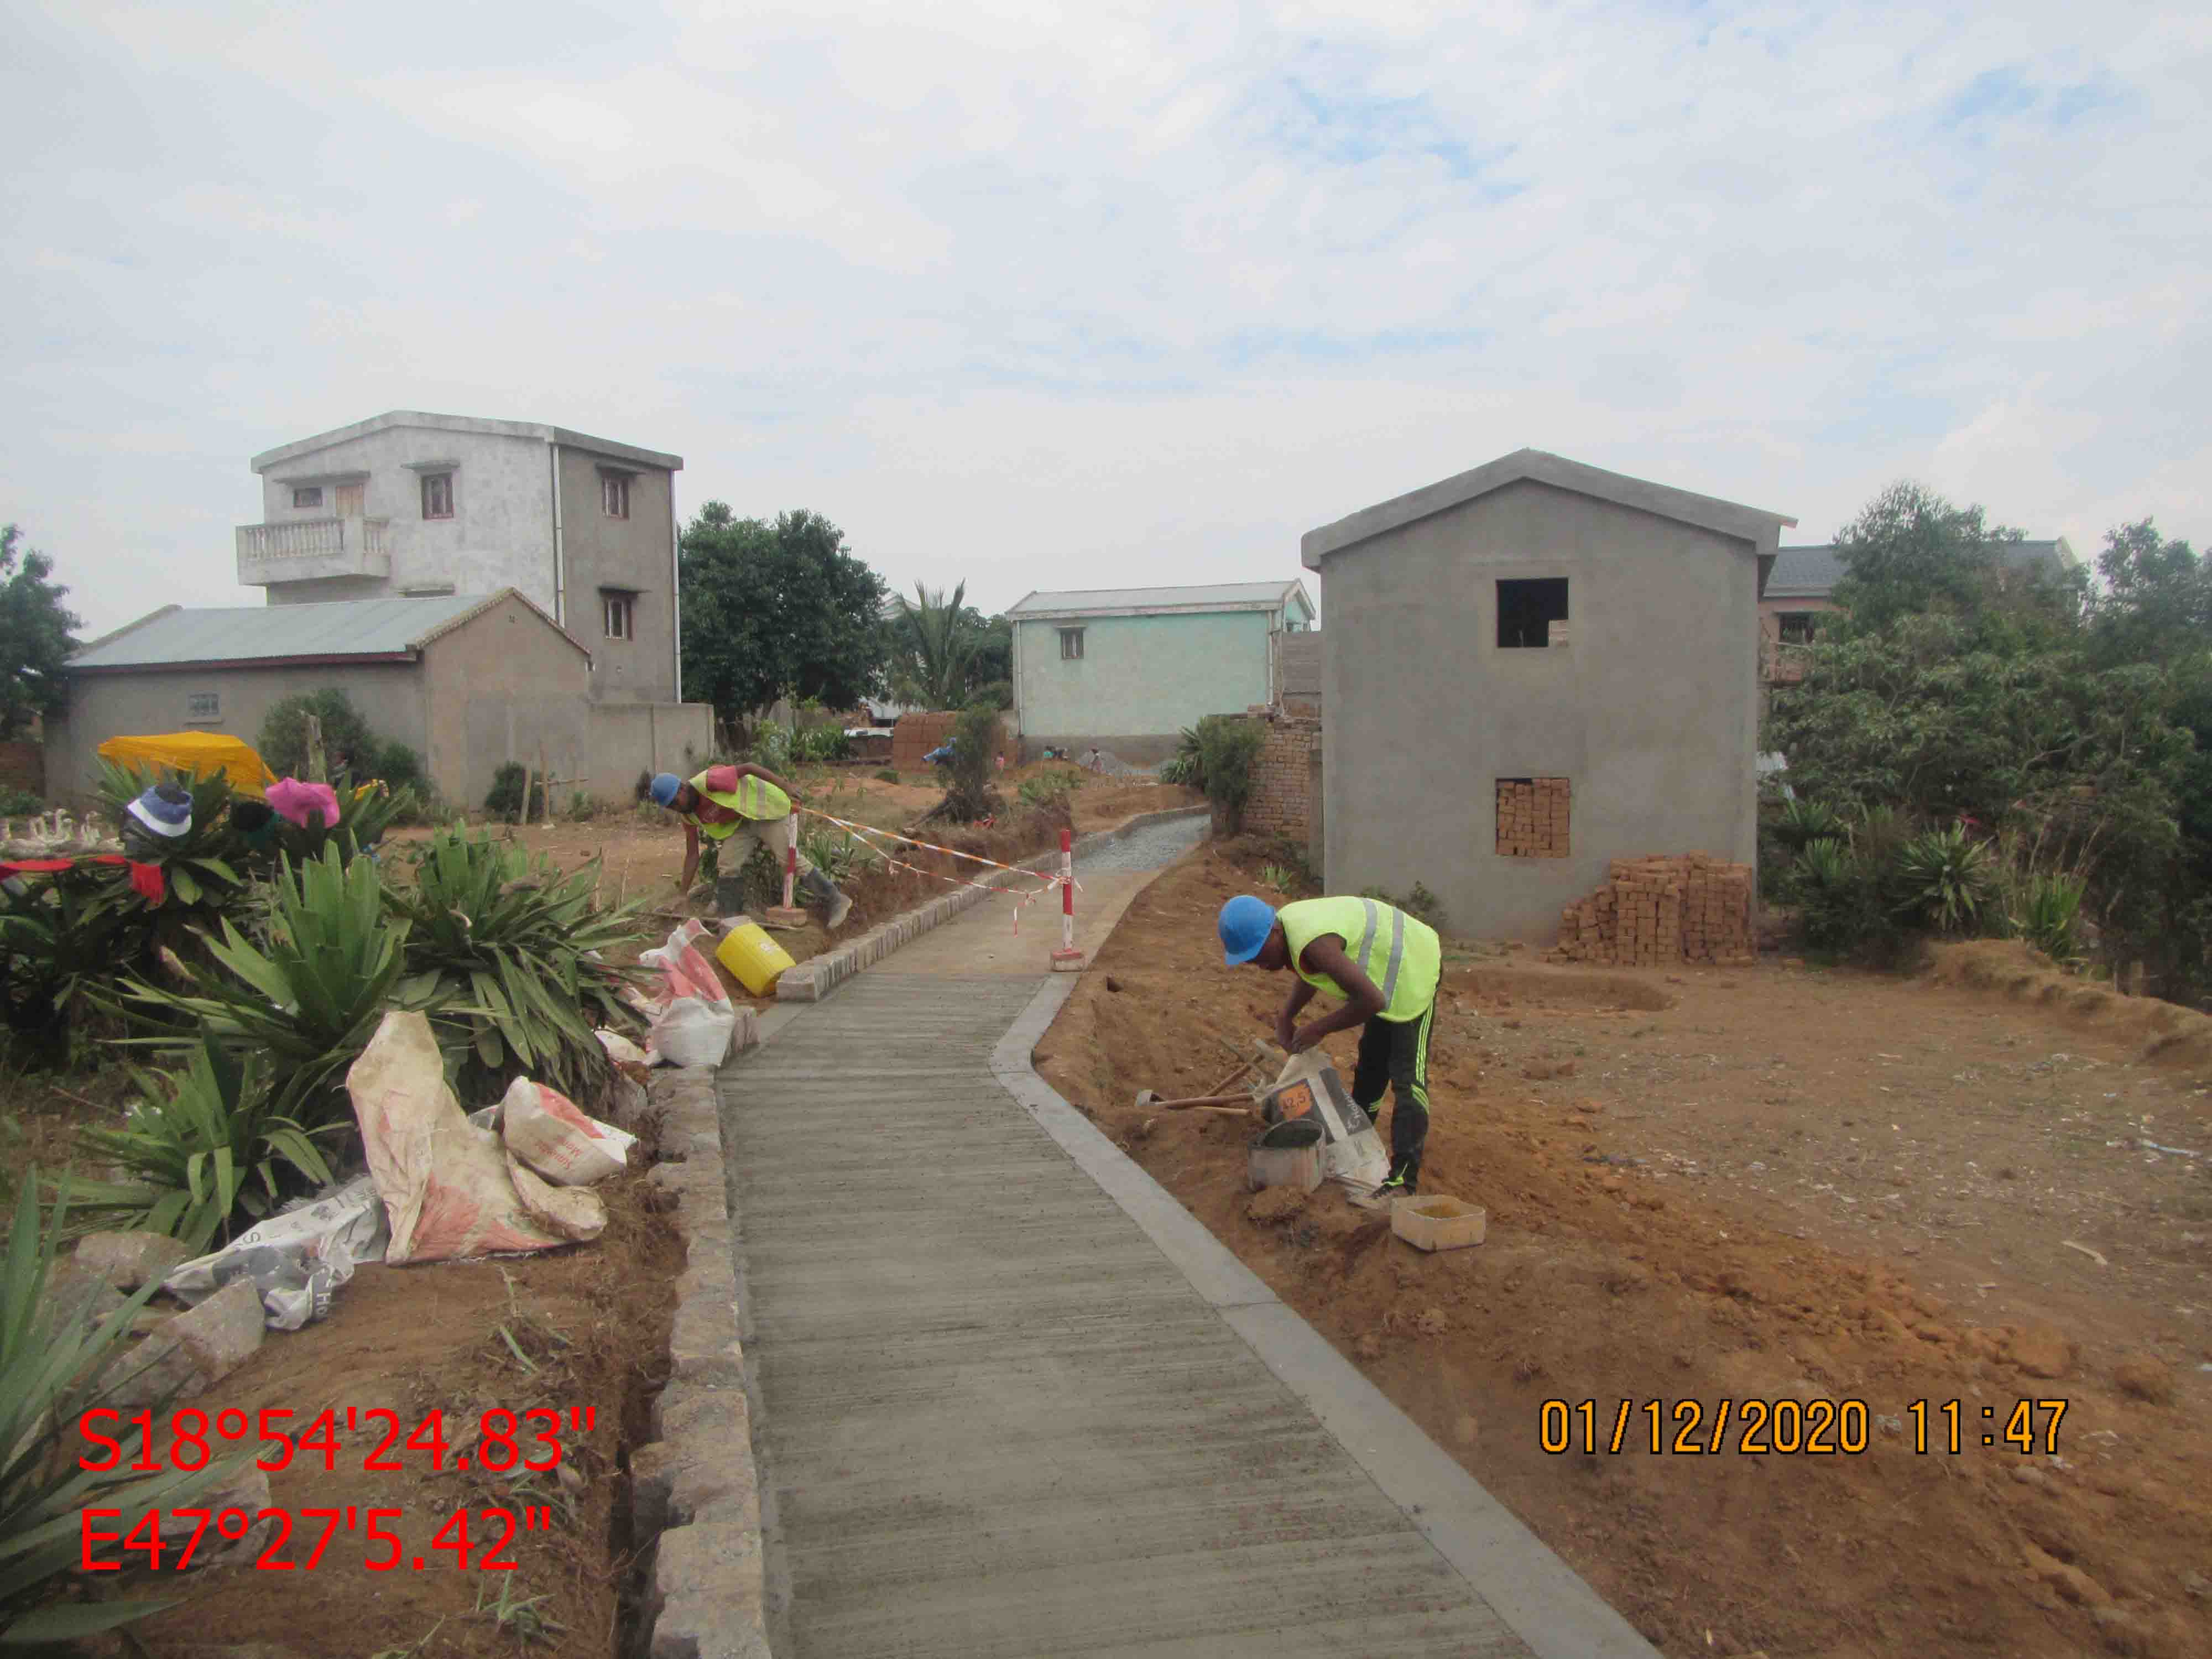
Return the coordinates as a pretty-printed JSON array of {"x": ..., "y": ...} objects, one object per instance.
[{"x": 1112, "y": 294}]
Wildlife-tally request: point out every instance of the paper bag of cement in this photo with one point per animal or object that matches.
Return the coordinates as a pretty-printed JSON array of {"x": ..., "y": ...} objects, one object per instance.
[
  {"x": 296, "y": 1259},
  {"x": 444, "y": 1182},
  {"x": 1351, "y": 1152},
  {"x": 629, "y": 1059},
  {"x": 543, "y": 1128},
  {"x": 693, "y": 1023}
]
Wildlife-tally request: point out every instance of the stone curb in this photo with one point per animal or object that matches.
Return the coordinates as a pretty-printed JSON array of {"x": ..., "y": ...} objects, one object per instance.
[
  {"x": 695, "y": 1488},
  {"x": 816, "y": 977}
]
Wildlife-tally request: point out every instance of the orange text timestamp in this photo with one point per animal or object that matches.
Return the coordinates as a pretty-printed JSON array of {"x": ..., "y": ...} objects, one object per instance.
[{"x": 1789, "y": 1427}]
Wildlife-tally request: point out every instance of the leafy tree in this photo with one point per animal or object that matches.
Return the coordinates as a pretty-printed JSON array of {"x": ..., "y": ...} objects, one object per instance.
[
  {"x": 1911, "y": 552},
  {"x": 34, "y": 636},
  {"x": 774, "y": 609},
  {"x": 348, "y": 743},
  {"x": 945, "y": 654},
  {"x": 2154, "y": 603}
]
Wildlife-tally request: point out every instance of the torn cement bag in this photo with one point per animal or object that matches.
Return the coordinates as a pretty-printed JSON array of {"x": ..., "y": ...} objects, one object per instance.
[
  {"x": 297, "y": 1259},
  {"x": 544, "y": 1128},
  {"x": 444, "y": 1182},
  {"x": 1351, "y": 1152},
  {"x": 629, "y": 1059},
  {"x": 693, "y": 1021},
  {"x": 575, "y": 1212}
]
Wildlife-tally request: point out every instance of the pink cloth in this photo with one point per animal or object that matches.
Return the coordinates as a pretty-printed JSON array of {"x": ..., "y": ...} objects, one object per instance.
[{"x": 293, "y": 801}]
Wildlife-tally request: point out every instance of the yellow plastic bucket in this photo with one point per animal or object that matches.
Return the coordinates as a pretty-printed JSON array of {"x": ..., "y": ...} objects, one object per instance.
[{"x": 756, "y": 960}]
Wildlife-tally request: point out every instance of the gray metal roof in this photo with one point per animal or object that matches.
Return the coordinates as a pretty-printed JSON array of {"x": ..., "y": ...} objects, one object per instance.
[
  {"x": 1812, "y": 572},
  {"x": 1219, "y": 596},
  {"x": 536, "y": 431},
  {"x": 341, "y": 627}
]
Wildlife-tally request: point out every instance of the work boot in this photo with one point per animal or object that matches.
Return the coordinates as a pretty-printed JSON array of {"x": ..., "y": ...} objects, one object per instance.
[
  {"x": 824, "y": 892},
  {"x": 1401, "y": 1183}
]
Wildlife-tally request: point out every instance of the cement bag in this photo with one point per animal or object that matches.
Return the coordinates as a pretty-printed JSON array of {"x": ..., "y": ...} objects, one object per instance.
[
  {"x": 444, "y": 1182},
  {"x": 545, "y": 1130},
  {"x": 693, "y": 1021},
  {"x": 296, "y": 1259},
  {"x": 1351, "y": 1152}
]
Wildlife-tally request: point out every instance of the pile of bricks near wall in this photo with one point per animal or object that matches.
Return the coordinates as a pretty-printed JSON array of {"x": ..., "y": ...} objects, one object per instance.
[
  {"x": 1531, "y": 818},
  {"x": 1281, "y": 801},
  {"x": 916, "y": 735},
  {"x": 23, "y": 766},
  {"x": 1659, "y": 910}
]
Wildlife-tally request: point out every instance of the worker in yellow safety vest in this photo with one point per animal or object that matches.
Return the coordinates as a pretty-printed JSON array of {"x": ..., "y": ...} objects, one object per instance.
[
  {"x": 1386, "y": 965},
  {"x": 739, "y": 808}
]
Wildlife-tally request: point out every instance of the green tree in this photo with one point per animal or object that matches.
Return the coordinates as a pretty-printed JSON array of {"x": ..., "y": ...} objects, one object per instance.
[
  {"x": 944, "y": 654},
  {"x": 348, "y": 743},
  {"x": 2154, "y": 603},
  {"x": 34, "y": 636},
  {"x": 774, "y": 609},
  {"x": 1911, "y": 552}
]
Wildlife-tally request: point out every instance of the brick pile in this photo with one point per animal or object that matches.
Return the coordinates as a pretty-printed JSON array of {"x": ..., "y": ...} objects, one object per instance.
[
  {"x": 916, "y": 735},
  {"x": 1531, "y": 818},
  {"x": 1659, "y": 910},
  {"x": 1284, "y": 775}
]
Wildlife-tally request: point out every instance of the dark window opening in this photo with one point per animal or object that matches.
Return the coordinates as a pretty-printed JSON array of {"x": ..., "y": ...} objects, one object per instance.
[
  {"x": 437, "y": 495},
  {"x": 307, "y": 495},
  {"x": 1798, "y": 626},
  {"x": 1071, "y": 645},
  {"x": 1527, "y": 610}
]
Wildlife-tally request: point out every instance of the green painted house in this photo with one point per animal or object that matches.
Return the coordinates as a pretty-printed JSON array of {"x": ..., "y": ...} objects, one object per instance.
[{"x": 1127, "y": 669}]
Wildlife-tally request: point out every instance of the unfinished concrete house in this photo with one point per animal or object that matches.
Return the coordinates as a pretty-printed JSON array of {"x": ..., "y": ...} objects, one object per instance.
[{"x": 1531, "y": 670}]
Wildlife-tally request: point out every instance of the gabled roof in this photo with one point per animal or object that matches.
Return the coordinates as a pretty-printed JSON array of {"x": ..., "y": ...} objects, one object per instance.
[
  {"x": 1160, "y": 601},
  {"x": 415, "y": 417},
  {"x": 1812, "y": 572},
  {"x": 1762, "y": 529},
  {"x": 374, "y": 630}
]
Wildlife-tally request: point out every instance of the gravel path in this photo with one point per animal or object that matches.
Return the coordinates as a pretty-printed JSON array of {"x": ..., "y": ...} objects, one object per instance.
[{"x": 1152, "y": 848}]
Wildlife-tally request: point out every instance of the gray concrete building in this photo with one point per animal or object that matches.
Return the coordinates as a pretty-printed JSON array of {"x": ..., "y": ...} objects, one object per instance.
[
  {"x": 413, "y": 505},
  {"x": 1537, "y": 619},
  {"x": 469, "y": 682}
]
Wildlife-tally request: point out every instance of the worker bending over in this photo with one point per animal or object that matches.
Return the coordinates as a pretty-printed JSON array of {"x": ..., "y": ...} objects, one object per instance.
[
  {"x": 1386, "y": 965},
  {"x": 739, "y": 808}
]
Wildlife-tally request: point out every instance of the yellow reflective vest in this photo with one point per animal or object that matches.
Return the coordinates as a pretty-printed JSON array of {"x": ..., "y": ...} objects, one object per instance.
[
  {"x": 753, "y": 798},
  {"x": 1402, "y": 955}
]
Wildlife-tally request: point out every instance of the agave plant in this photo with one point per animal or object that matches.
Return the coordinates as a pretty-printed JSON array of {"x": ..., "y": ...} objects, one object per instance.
[
  {"x": 1188, "y": 764},
  {"x": 206, "y": 1150},
  {"x": 309, "y": 996},
  {"x": 2047, "y": 912},
  {"x": 366, "y": 812},
  {"x": 199, "y": 867},
  {"x": 1801, "y": 822},
  {"x": 1945, "y": 878},
  {"x": 511, "y": 952},
  {"x": 54, "y": 1358},
  {"x": 62, "y": 936}
]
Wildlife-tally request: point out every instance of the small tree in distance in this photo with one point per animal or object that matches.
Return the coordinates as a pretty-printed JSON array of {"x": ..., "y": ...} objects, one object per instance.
[{"x": 34, "y": 636}]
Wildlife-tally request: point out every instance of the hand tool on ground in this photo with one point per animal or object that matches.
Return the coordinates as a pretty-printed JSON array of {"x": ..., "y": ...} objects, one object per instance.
[{"x": 1148, "y": 1101}]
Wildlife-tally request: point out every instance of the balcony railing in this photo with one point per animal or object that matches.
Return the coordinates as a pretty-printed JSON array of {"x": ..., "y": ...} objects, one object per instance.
[
  {"x": 1781, "y": 664},
  {"x": 304, "y": 550}
]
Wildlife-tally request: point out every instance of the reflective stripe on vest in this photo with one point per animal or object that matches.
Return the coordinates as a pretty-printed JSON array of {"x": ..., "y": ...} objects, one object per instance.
[
  {"x": 1402, "y": 955},
  {"x": 753, "y": 798}
]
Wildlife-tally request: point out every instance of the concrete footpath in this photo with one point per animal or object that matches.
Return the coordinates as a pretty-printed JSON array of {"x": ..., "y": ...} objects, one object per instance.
[{"x": 1009, "y": 1400}]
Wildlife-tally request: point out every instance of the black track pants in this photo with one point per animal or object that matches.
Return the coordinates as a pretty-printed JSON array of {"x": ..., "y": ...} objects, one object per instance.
[{"x": 1396, "y": 1053}]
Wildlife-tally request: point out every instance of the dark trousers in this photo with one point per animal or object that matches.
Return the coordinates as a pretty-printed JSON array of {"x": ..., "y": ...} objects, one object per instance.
[{"x": 1396, "y": 1053}]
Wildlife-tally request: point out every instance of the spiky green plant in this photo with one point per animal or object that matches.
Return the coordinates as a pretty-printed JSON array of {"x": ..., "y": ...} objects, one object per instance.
[
  {"x": 1801, "y": 822},
  {"x": 2047, "y": 912},
  {"x": 513, "y": 955},
  {"x": 62, "y": 936},
  {"x": 55, "y": 1362},
  {"x": 1945, "y": 878},
  {"x": 1186, "y": 765},
  {"x": 208, "y": 1150}
]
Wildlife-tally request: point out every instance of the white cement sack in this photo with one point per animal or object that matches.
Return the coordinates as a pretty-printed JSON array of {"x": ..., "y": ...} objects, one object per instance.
[
  {"x": 444, "y": 1182},
  {"x": 297, "y": 1260},
  {"x": 547, "y": 1131},
  {"x": 693, "y": 1020}
]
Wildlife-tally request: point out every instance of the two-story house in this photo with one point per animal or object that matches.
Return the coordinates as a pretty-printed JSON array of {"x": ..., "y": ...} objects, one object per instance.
[{"x": 409, "y": 504}]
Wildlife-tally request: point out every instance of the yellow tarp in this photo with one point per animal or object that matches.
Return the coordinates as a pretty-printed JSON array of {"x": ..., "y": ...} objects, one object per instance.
[{"x": 197, "y": 754}]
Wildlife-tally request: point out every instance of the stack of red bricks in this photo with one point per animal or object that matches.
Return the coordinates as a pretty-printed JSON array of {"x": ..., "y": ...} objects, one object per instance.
[
  {"x": 916, "y": 735},
  {"x": 1284, "y": 773},
  {"x": 1659, "y": 910},
  {"x": 1531, "y": 818}
]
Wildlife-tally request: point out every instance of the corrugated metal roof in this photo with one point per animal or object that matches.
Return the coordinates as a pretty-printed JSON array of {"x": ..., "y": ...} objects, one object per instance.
[
  {"x": 1076, "y": 602},
  {"x": 340, "y": 627},
  {"x": 1812, "y": 572}
]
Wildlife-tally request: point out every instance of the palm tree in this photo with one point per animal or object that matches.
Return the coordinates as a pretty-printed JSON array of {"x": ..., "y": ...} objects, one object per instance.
[{"x": 937, "y": 647}]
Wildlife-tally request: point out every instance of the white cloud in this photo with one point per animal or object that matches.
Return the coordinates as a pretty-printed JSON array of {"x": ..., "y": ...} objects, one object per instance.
[{"x": 1032, "y": 294}]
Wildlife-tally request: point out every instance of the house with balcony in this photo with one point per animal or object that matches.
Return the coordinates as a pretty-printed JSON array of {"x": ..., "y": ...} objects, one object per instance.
[
  {"x": 410, "y": 505},
  {"x": 1800, "y": 590}
]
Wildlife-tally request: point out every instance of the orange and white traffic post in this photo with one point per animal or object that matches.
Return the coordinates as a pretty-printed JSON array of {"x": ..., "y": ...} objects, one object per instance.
[
  {"x": 787, "y": 914},
  {"x": 1067, "y": 959}
]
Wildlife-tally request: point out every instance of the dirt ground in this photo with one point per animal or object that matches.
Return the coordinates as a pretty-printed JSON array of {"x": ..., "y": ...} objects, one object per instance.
[{"x": 1767, "y": 1184}]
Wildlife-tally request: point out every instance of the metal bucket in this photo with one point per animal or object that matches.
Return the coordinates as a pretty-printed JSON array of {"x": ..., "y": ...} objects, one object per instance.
[
  {"x": 1287, "y": 1155},
  {"x": 1311, "y": 1091}
]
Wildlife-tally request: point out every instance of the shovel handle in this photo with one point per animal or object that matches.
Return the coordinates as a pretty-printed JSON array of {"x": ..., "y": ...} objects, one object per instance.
[{"x": 1201, "y": 1100}]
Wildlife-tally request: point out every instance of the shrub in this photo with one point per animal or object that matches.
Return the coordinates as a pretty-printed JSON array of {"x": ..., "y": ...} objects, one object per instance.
[
  {"x": 397, "y": 767},
  {"x": 55, "y": 1362},
  {"x": 2046, "y": 912},
  {"x": 830, "y": 849},
  {"x": 63, "y": 937},
  {"x": 1801, "y": 820},
  {"x": 771, "y": 746},
  {"x": 200, "y": 879},
  {"x": 1945, "y": 879},
  {"x": 1050, "y": 788},
  {"x": 511, "y": 954},
  {"x": 505, "y": 800},
  {"x": 20, "y": 803},
  {"x": 974, "y": 744},
  {"x": 210, "y": 1151},
  {"x": 820, "y": 743},
  {"x": 1187, "y": 766},
  {"x": 1227, "y": 746},
  {"x": 348, "y": 743},
  {"x": 887, "y": 776},
  {"x": 1418, "y": 902}
]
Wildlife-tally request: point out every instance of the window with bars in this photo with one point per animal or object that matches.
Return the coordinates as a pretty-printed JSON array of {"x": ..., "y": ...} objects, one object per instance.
[
  {"x": 1071, "y": 645},
  {"x": 437, "y": 495}
]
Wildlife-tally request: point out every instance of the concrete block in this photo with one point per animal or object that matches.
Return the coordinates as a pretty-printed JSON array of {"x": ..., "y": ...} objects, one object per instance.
[
  {"x": 127, "y": 1260},
  {"x": 709, "y": 1593},
  {"x": 194, "y": 1352},
  {"x": 702, "y": 1344}
]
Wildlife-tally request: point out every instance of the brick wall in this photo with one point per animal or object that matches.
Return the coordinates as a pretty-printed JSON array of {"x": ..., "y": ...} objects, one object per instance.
[
  {"x": 23, "y": 766},
  {"x": 1657, "y": 910},
  {"x": 1533, "y": 817},
  {"x": 916, "y": 735},
  {"x": 1285, "y": 774}
]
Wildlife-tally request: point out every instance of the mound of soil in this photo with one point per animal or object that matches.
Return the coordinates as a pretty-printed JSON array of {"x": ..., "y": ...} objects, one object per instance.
[{"x": 2166, "y": 1032}]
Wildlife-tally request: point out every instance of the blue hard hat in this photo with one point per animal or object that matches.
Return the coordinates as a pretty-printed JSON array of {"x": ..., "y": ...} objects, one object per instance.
[
  {"x": 665, "y": 787},
  {"x": 1245, "y": 924}
]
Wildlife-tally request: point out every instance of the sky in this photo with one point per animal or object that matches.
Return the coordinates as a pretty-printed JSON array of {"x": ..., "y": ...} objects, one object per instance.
[{"x": 1035, "y": 296}]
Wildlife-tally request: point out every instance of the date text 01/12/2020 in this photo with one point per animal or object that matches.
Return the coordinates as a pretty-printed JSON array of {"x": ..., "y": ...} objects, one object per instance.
[
  {"x": 499, "y": 1444},
  {"x": 1791, "y": 1427},
  {"x": 178, "y": 1534}
]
